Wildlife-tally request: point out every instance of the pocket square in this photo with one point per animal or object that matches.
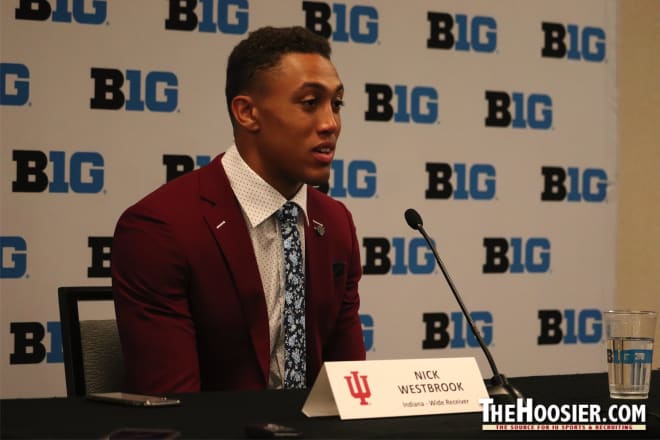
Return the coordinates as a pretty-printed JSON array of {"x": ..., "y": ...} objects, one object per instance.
[{"x": 338, "y": 269}]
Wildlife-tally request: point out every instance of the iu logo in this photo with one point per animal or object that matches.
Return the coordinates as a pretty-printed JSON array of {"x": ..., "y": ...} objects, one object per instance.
[{"x": 358, "y": 392}]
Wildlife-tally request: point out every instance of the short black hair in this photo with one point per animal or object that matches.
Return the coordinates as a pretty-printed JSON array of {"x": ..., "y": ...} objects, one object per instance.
[{"x": 262, "y": 50}]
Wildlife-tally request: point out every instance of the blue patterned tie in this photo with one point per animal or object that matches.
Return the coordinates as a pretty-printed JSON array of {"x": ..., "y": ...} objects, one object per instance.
[{"x": 294, "y": 299}]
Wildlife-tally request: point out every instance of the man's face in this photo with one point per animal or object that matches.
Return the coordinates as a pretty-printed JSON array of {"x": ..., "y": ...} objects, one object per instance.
[{"x": 297, "y": 109}]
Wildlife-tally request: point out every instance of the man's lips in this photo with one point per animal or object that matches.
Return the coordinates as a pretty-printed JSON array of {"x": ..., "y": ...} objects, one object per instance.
[{"x": 324, "y": 153}]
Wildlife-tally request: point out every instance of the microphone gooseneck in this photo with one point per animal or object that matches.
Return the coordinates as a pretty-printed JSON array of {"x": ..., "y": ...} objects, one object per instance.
[{"x": 498, "y": 387}]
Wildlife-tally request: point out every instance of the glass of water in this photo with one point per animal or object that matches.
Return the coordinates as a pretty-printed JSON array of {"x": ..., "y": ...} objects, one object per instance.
[{"x": 629, "y": 352}]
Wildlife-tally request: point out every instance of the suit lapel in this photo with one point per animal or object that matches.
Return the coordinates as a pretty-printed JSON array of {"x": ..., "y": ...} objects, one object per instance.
[{"x": 225, "y": 221}]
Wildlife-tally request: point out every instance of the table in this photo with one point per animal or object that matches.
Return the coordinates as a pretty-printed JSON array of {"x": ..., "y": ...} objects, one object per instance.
[{"x": 225, "y": 414}]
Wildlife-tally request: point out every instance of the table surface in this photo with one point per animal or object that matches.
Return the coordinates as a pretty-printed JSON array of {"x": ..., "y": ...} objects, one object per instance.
[{"x": 226, "y": 414}]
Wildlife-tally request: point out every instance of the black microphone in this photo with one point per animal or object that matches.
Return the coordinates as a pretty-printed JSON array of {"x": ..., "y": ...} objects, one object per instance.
[{"x": 499, "y": 388}]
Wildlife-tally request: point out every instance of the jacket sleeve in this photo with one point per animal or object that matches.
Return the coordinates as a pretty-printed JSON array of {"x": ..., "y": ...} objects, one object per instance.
[{"x": 149, "y": 281}]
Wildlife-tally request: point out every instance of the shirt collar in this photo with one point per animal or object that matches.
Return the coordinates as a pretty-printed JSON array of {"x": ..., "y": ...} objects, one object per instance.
[{"x": 257, "y": 198}]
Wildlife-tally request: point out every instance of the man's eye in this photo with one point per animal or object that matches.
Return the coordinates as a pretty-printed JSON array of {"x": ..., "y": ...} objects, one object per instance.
[
  {"x": 338, "y": 103},
  {"x": 311, "y": 102}
]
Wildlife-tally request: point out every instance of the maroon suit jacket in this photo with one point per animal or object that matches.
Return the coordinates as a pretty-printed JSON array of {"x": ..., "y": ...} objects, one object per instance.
[{"x": 190, "y": 306}]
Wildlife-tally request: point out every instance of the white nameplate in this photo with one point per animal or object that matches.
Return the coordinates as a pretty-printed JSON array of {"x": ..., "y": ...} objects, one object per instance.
[{"x": 393, "y": 388}]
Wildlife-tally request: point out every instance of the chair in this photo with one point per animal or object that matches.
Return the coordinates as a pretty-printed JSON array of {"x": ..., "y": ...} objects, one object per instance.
[{"x": 93, "y": 360}]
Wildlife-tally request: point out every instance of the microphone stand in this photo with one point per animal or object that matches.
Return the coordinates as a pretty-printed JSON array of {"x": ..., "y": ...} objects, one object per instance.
[{"x": 498, "y": 387}]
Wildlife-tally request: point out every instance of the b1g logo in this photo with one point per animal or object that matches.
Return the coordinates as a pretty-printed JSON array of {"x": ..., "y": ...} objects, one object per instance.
[
  {"x": 29, "y": 345},
  {"x": 415, "y": 258},
  {"x": 519, "y": 111},
  {"x": 367, "y": 322},
  {"x": 179, "y": 164},
  {"x": 460, "y": 181},
  {"x": 65, "y": 11},
  {"x": 418, "y": 104},
  {"x": 438, "y": 330},
  {"x": 14, "y": 84},
  {"x": 86, "y": 173},
  {"x": 586, "y": 44},
  {"x": 355, "y": 178},
  {"x": 461, "y": 32},
  {"x": 160, "y": 90},
  {"x": 570, "y": 326},
  {"x": 531, "y": 255},
  {"x": 358, "y": 24},
  {"x": 224, "y": 16},
  {"x": 101, "y": 248},
  {"x": 13, "y": 257},
  {"x": 574, "y": 185}
]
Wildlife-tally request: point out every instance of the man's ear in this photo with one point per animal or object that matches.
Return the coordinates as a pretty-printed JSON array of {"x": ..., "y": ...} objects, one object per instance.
[{"x": 245, "y": 113}]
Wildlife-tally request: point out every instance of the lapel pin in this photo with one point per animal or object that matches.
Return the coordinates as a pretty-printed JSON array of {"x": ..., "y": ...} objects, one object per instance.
[{"x": 319, "y": 228}]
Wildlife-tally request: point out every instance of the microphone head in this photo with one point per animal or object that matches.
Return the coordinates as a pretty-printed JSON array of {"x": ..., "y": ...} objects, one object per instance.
[{"x": 413, "y": 219}]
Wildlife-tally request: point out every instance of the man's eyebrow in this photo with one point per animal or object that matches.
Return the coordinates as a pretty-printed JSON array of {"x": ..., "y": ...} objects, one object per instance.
[{"x": 321, "y": 87}]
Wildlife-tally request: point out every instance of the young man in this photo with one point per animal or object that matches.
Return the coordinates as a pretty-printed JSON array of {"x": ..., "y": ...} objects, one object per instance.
[{"x": 213, "y": 288}]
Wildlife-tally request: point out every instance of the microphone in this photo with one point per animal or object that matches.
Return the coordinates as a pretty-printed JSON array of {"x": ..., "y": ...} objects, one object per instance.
[{"x": 499, "y": 388}]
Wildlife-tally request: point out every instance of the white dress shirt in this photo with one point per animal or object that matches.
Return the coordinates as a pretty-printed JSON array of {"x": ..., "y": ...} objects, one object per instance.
[{"x": 259, "y": 204}]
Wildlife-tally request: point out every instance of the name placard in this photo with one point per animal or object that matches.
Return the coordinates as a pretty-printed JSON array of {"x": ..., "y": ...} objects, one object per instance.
[{"x": 394, "y": 388}]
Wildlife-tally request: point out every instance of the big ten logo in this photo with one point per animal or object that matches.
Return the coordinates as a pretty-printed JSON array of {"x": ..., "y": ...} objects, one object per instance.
[
  {"x": 460, "y": 181},
  {"x": 179, "y": 164},
  {"x": 13, "y": 259},
  {"x": 418, "y": 104},
  {"x": 14, "y": 84},
  {"x": 570, "y": 327},
  {"x": 412, "y": 257},
  {"x": 358, "y": 24},
  {"x": 531, "y": 255},
  {"x": 460, "y": 335},
  {"x": 65, "y": 11},
  {"x": 29, "y": 342},
  {"x": 367, "y": 322},
  {"x": 101, "y": 248},
  {"x": 589, "y": 184},
  {"x": 224, "y": 16},
  {"x": 586, "y": 44},
  {"x": 85, "y": 169},
  {"x": 531, "y": 111},
  {"x": 355, "y": 178},
  {"x": 160, "y": 90},
  {"x": 460, "y": 32}
]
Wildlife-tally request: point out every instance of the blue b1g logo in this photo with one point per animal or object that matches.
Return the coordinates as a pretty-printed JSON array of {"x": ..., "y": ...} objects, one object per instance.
[
  {"x": 224, "y": 16},
  {"x": 418, "y": 104},
  {"x": 13, "y": 259},
  {"x": 531, "y": 255},
  {"x": 65, "y": 11},
  {"x": 460, "y": 181},
  {"x": 438, "y": 330},
  {"x": 29, "y": 345},
  {"x": 14, "y": 84},
  {"x": 587, "y": 43},
  {"x": 109, "y": 95},
  {"x": 383, "y": 256},
  {"x": 355, "y": 178},
  {"x": 570, "y": 326},
  {"x": 519, "y": 111},
  {"x": 179, "y": 164},
  {"x": 357, "y": 23},
  {"x": 461, "y": 32},
  {"x": 86, "y": 173},
  {"x": 574, "y": 185}
]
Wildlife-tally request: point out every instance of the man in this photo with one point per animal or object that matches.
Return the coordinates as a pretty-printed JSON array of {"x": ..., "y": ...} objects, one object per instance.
[{"x": 210, "y": 290}]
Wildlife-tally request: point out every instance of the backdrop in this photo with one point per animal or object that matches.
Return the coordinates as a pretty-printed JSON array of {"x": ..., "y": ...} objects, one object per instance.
[{"x": 495, "y": 120}]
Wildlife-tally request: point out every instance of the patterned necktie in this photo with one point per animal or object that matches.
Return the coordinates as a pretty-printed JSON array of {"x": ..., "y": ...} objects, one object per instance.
[{"x": 294, "y": 299}]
